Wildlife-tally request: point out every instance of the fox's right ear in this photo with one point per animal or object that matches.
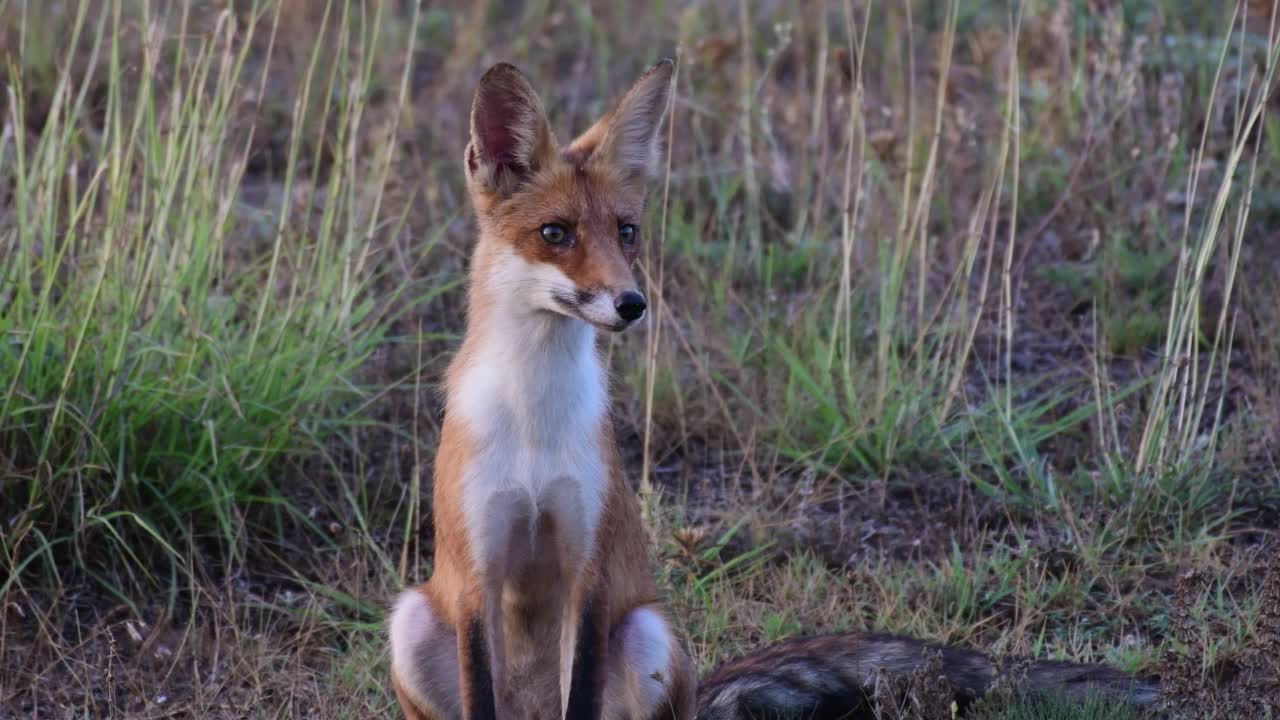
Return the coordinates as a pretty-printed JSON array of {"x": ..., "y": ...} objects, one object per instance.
[{"x": 511, "y": 139}]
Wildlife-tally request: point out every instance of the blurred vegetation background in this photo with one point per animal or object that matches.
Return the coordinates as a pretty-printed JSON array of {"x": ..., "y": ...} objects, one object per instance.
[{"x": 966, "y": 325}]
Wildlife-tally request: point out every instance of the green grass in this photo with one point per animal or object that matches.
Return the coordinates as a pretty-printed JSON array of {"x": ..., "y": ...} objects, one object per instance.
[
  {"x": 153, "y": 390},
  {"x": 1058, "y": 709},
  {"x": 945, "y": 345}
]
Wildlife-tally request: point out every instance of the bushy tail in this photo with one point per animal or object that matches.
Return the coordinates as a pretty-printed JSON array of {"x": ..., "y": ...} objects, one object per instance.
[{"x": 844, "y": 676}]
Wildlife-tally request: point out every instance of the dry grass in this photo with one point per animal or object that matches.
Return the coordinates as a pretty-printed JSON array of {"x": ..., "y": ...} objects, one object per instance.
[{"x": 965, "y": 327}]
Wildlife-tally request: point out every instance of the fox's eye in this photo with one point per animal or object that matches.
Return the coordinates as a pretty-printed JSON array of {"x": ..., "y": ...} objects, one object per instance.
[
  {"x": 628, "y": 233},
  {"x": 554, "y": 234}
]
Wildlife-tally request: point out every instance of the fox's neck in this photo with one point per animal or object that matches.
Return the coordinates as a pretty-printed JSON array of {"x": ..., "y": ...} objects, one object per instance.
[
  {"x": 538, "y": 369},
  {"x": 522, "y": 339}
]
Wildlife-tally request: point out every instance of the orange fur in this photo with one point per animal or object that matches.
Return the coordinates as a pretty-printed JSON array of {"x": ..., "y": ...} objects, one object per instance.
[{"x": 542, "y": 603}]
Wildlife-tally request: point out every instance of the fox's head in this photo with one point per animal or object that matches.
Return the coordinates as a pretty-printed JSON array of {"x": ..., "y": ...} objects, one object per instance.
[{"x": 561, "y": 226}]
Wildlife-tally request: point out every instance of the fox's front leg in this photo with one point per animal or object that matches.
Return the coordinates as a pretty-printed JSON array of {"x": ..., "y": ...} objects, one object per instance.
[
  {"x": 584, "y": 649},
  {"x": 482, "y": 647},
  {"x": 477, "y": 669},
  {"x": 584, "y": 624}
]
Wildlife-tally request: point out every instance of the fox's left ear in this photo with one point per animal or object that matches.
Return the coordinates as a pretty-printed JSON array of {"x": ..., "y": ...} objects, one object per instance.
[{"x": 631, "y": 139}]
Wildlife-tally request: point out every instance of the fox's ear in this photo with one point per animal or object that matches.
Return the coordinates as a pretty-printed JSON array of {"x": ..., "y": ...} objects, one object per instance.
[
  {"x": 631, "y": 139},
  {"x": 511, "y": 139}
]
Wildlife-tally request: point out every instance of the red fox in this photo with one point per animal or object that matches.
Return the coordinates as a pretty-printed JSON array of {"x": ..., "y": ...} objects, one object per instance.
[{"x": 542, "y": 603}]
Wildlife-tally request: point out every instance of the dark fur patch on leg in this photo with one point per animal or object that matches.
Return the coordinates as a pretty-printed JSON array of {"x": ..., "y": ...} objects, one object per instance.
[
  {"x": 479, "y": 698},
  {"x": 586, "y": 687}
]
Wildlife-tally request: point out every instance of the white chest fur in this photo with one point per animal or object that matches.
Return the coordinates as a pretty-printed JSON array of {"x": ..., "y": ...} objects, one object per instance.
[{"x": 533, "y": 397}]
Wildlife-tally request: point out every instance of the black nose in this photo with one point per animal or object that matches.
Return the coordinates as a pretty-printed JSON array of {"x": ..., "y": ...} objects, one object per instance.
[{"x": 630, "y": 305}]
